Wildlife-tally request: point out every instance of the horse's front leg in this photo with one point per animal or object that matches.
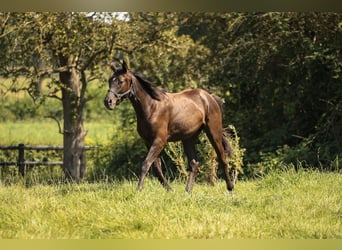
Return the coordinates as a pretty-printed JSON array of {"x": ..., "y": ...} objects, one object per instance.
[{"x": 153, "y": 153}]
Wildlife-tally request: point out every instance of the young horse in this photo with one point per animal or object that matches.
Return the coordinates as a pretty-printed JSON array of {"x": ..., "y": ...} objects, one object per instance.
[{"x": 166, "y": 117}]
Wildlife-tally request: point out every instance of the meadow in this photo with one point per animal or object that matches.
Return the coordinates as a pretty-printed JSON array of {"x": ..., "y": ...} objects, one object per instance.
[
  {"x": 272, "y": 84},
  {"x": 45, "y": 132},
  {"x": 282, "y": 205}
]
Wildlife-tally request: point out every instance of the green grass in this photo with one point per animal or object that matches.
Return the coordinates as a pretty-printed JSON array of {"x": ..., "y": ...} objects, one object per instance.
[
  {"x": 287, "y": 205},
  {"x": 45, "y": 132}
]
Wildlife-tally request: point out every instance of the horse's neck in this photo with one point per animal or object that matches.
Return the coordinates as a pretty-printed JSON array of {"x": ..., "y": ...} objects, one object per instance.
[{"x": 141, "y": 100}]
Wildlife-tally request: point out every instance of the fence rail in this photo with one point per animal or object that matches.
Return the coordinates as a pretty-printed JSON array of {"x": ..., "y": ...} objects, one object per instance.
[{"x": 21, "y": 163}]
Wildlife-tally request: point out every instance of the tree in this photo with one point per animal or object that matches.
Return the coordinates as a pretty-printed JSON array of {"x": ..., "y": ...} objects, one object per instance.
[{"x": 69, "y": 49}]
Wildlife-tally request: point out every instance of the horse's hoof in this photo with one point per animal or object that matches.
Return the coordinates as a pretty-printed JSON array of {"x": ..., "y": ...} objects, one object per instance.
[{"x": 231, "y": 193}]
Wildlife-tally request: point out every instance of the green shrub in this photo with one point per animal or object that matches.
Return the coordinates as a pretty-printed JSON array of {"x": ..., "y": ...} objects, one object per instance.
[{"x": 119, "y": 159}]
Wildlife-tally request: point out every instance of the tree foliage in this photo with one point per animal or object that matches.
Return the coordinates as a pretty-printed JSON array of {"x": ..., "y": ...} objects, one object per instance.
[
  {"x": 281, "y": 75},
  {"x": 278, "y": 73}
]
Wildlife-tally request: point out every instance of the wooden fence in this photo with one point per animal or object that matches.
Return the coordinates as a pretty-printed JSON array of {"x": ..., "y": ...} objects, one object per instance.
[{"x": 21, "y": 162}]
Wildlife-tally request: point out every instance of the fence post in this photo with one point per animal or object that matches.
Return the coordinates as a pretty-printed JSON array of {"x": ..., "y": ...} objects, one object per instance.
[{"x": 21, "y": 159}]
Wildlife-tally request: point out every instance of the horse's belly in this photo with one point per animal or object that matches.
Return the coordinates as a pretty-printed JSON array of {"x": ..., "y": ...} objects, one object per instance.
[
  {"x": 185, "y": 129},
  {"x": 179, "y": 137}
]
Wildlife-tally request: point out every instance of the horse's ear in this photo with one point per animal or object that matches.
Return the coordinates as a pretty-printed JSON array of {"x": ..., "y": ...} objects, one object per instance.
[
  {"x": 113, "y": 65},
  {"x": 116, "y": 65},
  {"x": 124, "y": 66}
]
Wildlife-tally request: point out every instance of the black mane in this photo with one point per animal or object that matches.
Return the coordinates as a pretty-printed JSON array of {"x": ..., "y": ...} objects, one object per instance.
[{"x": 155, "y": 93}]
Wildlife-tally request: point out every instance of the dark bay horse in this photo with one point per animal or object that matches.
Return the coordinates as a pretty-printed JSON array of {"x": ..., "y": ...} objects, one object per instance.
[{"x": 167, "y": 117}]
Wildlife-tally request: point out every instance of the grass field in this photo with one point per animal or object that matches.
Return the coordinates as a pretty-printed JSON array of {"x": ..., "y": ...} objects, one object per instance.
[
  {"x": 45, "y": 132},
  {"x": 287, "y": 205},
  {"x": 281, "y": 205}
]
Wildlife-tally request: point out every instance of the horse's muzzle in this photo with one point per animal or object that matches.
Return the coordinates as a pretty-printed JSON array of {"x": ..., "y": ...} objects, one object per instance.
[{"x": 109, "y": 103}]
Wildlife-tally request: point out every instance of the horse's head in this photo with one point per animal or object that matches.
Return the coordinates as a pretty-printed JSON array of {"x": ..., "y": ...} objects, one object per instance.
[{"x": 120, "y": 85}]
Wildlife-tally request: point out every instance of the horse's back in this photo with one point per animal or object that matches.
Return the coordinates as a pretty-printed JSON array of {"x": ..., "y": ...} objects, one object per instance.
[
  {"x": 189, "y": 112},
  {"x": 188, "y": 100},
  {"x": 198, "y": 97}
]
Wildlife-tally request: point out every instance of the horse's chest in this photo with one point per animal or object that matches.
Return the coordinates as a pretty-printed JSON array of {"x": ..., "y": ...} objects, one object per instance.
[{"x": 147, "y": 129}]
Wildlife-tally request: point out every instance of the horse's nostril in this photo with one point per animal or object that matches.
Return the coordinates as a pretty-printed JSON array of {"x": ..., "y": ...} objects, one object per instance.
[
  {"x": 110, "y": 101},
  {"x": 107, "y": 102}
]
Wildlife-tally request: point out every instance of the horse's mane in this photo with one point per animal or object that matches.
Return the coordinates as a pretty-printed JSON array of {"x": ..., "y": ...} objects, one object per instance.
[{"x": 155, "y": 93}]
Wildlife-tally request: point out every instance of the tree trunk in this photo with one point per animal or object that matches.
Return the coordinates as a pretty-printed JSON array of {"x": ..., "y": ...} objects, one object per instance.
[{"x": 74, "y": 162}]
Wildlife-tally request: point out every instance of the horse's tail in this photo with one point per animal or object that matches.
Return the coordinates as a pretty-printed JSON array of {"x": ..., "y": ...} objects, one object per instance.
[{"x": 227, "y": 147}]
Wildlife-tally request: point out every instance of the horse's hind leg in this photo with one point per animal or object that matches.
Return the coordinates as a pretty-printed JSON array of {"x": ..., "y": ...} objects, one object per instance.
[
  {"x": 159, "y": 173},
  {"x": 215, "y": 135},
  {"x": 190, "y": 151}
]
